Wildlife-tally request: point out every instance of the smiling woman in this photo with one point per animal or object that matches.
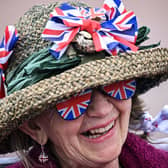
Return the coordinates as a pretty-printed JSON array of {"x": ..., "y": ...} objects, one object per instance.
[{"x": 70, "y": 92}]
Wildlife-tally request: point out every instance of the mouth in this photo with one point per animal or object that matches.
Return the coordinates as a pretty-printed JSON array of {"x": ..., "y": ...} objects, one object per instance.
[{"x": 99, "y": 132}]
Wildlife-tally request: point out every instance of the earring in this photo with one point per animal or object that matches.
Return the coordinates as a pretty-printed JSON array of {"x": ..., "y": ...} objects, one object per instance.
[{"x": 43, "y": 157}]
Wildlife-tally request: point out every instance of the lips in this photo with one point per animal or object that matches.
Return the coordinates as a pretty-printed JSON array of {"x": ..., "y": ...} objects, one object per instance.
[{"x": 98, "y": 132}]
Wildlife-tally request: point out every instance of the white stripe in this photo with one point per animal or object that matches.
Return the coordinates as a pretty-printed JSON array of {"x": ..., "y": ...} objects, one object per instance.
[
  {"x": 104, "y": 41},
  {"x": 55, "y": 26},
  {"x": 110, "y": 3},
  {"x": 126, "y": 37},
  {"x": 79, "y": 22},
  {"x": 74, "y": 12},
  {"x": 49, "y": 36},
  {"x": 121, "y": 7},
  {"x": 124, "y": 23},
  {"x": 129, "y": 18},
  {"x": 54, "y": 48},
  {"x": 62, "y": 111},
  {"x": 71, "y": 109},
  {"x": 11, "y": 35}
]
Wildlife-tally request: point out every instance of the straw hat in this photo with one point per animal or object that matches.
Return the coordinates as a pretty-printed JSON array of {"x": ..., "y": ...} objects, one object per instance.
[{"x": 149, "y": 67}]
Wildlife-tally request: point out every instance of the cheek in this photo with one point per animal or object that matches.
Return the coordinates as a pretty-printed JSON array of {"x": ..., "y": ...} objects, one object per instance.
[
  {"x": 63, "y": 131},
  {"x": 124, "y": 107},
  {"x": 125, "y": 111}
]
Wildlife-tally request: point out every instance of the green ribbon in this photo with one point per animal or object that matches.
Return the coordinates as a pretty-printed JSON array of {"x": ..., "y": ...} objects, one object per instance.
[
  {"x": 142, "y": 37},
  {"x": 38, "y": 66}
]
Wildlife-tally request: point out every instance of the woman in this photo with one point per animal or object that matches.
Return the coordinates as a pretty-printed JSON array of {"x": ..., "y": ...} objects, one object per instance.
[{"x": 72, "y": 101}]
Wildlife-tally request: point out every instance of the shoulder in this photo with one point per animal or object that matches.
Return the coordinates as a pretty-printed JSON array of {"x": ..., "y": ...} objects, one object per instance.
[{"x": 138, "y": 151}]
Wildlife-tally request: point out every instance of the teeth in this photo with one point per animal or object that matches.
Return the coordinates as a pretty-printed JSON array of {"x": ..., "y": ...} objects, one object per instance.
[
  {"x": 102, "y": 130},
  {"x": 93, "y": 136}
]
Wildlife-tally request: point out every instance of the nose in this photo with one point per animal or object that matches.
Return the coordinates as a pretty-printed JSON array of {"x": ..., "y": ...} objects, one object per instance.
[{"x": 99, "y": 106}]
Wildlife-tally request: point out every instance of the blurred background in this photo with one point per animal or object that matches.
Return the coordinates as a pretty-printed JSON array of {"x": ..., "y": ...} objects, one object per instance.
[{"x": 151, "y": 13}]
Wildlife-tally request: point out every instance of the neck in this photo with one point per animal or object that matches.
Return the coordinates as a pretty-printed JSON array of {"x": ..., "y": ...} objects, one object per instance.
[
  {"x": 113, "y": 164},
  {"x": 84, "y": 163}
]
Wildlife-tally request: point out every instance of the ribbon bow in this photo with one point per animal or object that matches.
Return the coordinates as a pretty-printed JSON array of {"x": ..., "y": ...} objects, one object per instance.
[
  {"x": 112, "y": 27},
  {"x": 6, "y": 46}
]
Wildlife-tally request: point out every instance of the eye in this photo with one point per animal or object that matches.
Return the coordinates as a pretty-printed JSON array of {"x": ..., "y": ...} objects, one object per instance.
[
  {"x": 121, "y": 90},
  {"x": 75, "y": 106}
]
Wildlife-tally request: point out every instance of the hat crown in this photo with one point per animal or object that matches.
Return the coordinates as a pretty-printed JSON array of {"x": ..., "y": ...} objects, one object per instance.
[{"x": 30, "y": 27}]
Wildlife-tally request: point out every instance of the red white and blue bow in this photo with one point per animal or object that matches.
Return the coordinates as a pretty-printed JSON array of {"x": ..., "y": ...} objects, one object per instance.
[
  {"x": 117, "y": 30},
  {"x": 9, "y": 39}
]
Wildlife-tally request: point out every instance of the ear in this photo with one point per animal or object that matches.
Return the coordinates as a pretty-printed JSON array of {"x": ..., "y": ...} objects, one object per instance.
[{"x": 35, "y": 131}]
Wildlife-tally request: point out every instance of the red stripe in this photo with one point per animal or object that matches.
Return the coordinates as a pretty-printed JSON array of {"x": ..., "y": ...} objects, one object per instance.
[
  {"x": 2, "y": 89},
  {"x": 106, "y": 7},
  {"x": 130, "y": 87},
  {"x": 76, "y": 111},
  {"x": 82, "y": 12},
  {"x": 71, "y": 24},
  {"x": 114, "y": 52},
  {"x": 73, "y": 34},
  {"x": 73, "y": 100},
  {"x": 115, "y": 91},
  {"x": 84, "y": 105},
  {"x": 108, "y": 88},
  {"x": 113, "y": 11},
  {"x": 94, "y": 14},
  {"x": 125, "y": 42},
  {"x": 127, "y": 16},
  {"x": 4, "y": 66},
  {"x": 52, "y": 32},
  {"x": 59, "y": 11},
  {"x": 97, "y": 43},
  {"x": 16, "y": 32},
  {"x": 7, "y": 35},
  {"x": 66, "y": 112},
  {"x": 124, "y": 11},
  {"x": 122, "y": 91},
  {"x": 4, "y": 54}
]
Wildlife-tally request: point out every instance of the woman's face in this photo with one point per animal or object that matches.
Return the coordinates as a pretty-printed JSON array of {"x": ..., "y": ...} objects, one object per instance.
[{"x": 94, "y": 138}]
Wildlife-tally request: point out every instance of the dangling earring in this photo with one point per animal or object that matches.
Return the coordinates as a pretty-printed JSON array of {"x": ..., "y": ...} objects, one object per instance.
[{"x": 43, "y": 157}]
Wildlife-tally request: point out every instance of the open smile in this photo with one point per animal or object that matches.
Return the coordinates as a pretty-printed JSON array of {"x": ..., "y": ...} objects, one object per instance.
[{"x": 101, "y": 133}]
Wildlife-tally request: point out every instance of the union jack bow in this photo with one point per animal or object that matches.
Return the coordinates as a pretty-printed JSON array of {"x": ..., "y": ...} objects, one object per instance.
[
  {"x": 116, "y": 31},
  {"x": 6, "y": 46}
]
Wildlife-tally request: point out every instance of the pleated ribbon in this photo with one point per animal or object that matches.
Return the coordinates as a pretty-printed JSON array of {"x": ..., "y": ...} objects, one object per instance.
[
  {"x": 9, "y": 39},
  {"x": 112, "y": 27}
]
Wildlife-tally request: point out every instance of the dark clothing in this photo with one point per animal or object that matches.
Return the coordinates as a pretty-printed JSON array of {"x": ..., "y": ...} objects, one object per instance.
[{"x": 136, "y": 153}]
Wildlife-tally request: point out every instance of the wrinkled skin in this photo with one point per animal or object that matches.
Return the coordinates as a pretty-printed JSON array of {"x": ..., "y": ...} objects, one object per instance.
[{"x": 76, "y": 150}]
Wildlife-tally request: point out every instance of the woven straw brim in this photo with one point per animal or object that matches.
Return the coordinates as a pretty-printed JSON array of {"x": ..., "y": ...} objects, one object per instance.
[{"x": 149, "y": 67}]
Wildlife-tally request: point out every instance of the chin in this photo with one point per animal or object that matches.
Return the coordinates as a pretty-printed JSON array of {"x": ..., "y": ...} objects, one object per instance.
[{"x": 107, "y": 155}]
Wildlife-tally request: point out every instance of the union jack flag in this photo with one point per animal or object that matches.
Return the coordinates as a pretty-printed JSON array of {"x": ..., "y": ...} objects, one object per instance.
[
  {"x": 6, "y": 46},
  {"x": 117, "y": 30},
  {"x": 121, "y": 90},
  {"x": 109, "y": 4},
  {"x": 75, "y": 106}
]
